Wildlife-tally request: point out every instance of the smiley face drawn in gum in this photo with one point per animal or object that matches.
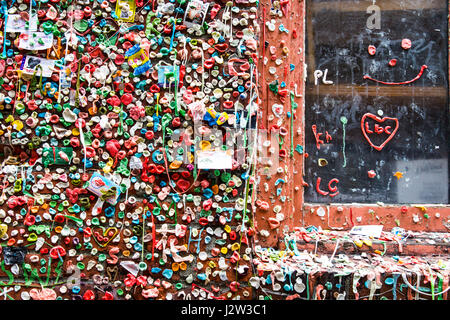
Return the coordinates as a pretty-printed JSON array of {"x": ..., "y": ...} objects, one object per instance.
[{"x": 406, "y": 45}]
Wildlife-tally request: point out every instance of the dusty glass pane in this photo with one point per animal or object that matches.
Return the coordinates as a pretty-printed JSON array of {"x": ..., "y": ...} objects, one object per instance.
[{"x": 378, "y": 85}]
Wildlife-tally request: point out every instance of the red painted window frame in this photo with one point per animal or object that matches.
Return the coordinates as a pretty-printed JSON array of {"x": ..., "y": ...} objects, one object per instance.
[{"x": 298, "y": 213}]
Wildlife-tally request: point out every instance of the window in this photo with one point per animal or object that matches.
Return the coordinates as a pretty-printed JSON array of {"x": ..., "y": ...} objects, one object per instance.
[{"x": 376, "y": 102}]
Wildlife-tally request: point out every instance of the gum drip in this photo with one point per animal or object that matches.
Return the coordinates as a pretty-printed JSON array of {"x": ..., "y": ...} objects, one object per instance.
[
  {"x": 422, "y": 69},
  {"x": 344, "y": 122}
]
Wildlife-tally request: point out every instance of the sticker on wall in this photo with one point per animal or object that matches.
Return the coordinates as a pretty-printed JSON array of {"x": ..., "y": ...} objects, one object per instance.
[
  {"x": 126, "y": 10},
  {"x": 104, "y": 188},
  {"x": 195, "y": 13}
]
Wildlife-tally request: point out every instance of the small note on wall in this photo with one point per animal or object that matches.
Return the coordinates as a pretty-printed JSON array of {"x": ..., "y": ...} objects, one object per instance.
[
  {"x": 214, "y": 160},
  {"x": 15, "y": 23},
  {"x": 36, "y": 41},
  {"x": 30, "y": 65},
  {"x": 369, "y": 231}
]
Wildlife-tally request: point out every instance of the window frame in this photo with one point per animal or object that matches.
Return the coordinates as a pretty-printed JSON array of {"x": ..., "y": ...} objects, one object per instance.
[{"x": 298, "y": 213}]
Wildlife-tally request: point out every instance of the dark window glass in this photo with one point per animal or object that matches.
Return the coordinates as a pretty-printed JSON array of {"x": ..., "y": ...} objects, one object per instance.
[{"x": 383, "y": 104}]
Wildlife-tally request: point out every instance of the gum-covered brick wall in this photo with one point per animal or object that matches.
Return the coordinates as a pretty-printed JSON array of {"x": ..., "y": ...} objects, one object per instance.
[
  {"x": 128, "y": 134},
  {"x": 132, "y": 135}
]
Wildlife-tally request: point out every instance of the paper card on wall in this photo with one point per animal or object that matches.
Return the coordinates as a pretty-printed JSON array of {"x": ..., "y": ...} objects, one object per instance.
[
  {"x": 214, "y": 160},
  {"x": 369, "y": 231},
  {"x": 195, "y": 13},
  {"x": 16, "y": 23},
  {"x": 36, "y": 41},
  {"x": 126, "y": 10},
  {"x": 30, "y": 66},
  {"x": 99, "y": 185}
]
